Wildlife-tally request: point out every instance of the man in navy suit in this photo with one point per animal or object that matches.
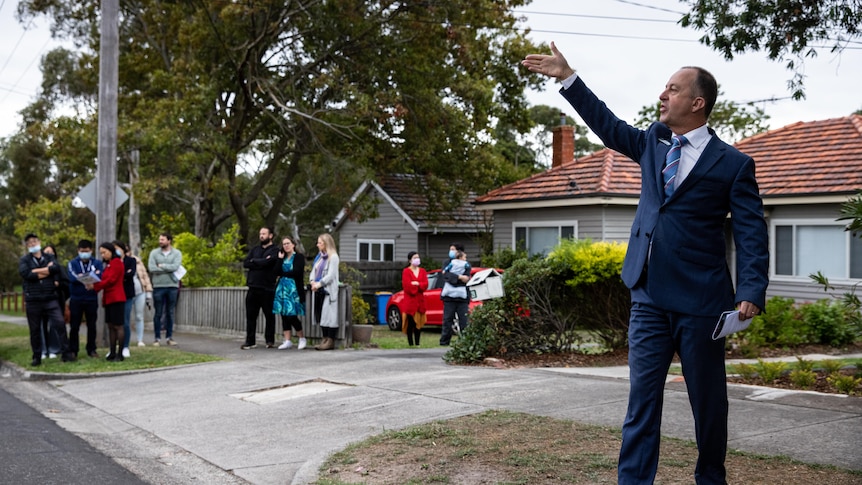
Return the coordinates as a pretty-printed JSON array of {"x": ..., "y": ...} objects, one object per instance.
[{"x": 675, "y": 264}]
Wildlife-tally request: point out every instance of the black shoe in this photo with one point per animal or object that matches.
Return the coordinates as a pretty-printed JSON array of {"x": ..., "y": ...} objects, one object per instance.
[
  {"x": 119, "y": 358},
  {"x": 270, "y": 345},
  {"x": 111, "y": 357},
  {"x": 69, "y": 357},
  {"x": 37, "y": 361},
  {"x": 93, "y": 354},
  {"x": 248, "y": 346}
]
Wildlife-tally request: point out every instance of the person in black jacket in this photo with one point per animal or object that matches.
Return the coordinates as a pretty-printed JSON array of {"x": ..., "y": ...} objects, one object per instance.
[
  {"x": 290, "y": 292},
  {"x": 260, "y": 279},
  {"x": 50, "y": 340},
  {"x": 39, "y": 271}
]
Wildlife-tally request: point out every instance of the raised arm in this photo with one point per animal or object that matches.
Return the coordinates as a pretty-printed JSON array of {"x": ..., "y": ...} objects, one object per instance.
[{"x": 554, "y": 65}]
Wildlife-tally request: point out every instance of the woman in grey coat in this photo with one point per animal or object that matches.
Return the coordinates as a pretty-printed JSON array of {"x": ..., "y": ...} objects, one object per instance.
[{"x": 324, "y": 284}]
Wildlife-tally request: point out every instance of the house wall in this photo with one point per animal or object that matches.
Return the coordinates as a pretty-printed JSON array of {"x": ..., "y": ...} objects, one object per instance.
[
  {"x": 802, "y": 288},
  {"x": 599, "y": 223},
  {"x": 390, "y": 225},
  {"x": 436, "y": 246}
]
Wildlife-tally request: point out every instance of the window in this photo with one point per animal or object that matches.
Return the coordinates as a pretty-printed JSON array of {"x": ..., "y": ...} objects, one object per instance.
[
  {"x": 541, "y": 237},
  {"x": 376, "y": 250},
  {"x": 804, "y": 248}
]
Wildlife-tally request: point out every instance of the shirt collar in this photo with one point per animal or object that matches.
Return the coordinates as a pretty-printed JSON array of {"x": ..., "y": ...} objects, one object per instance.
[{"x": 698, "y": 137}]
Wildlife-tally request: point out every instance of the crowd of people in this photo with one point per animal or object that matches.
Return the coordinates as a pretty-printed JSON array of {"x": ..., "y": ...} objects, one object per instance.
[
  {"x": 57, "y": 294},
  {"x": 126, "y": 285}
]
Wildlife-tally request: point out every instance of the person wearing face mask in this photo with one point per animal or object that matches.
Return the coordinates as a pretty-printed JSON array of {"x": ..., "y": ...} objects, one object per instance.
[
  {"x": 456, "y": 298},
  {"x": 50, "y": 341},
  {"x": 453, "y": 251},
  {"x": 414, "y": 281},
  {"x": 113, "y": 299},
  {"x": 83, "y": 303},
  {"x": 261, "y": 278},
  {"x": 39, "y": 271}
]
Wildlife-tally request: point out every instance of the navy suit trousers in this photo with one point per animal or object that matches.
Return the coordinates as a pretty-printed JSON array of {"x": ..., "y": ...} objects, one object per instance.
[{"x": 654, "y": 336}]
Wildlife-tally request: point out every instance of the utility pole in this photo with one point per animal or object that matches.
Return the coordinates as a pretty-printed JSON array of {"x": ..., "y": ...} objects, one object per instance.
[{"x": 106, "y": 167}]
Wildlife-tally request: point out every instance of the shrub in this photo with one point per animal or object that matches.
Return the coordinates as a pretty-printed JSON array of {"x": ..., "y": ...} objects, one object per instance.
[
  {"x": 210, "y": 265},
  {"x": 844, "y": 384},
  {"x": 831, "y": 366},
  {"x": 803, "y": 379},
  {"x": 480, "y": 338},
  {"x": 746, "y": 371},
  {"x": 802, "y": 364},
  {"x": 780, "y": 325},
  {"x": 827, "y": 323},
  {"x": 770, "y": 371},
  {"x": 504, "y": 258}
]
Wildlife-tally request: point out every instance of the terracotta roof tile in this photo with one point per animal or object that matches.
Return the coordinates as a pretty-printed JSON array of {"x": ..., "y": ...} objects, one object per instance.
[{"x": 804, "y": 158}]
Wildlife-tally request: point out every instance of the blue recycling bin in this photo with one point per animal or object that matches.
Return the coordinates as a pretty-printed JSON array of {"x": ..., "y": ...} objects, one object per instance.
[{"x": 382, "y": 300}]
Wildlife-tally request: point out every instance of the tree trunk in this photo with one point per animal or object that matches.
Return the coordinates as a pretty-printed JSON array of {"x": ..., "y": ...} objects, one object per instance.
[{"x": 134, "y": 210}]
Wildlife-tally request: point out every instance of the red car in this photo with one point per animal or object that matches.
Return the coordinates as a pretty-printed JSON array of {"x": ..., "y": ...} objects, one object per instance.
[{"x": 433, "y": 303}]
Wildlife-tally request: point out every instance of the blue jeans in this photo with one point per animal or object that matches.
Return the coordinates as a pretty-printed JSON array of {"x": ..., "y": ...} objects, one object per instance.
[{"x": 165, "y": 301}]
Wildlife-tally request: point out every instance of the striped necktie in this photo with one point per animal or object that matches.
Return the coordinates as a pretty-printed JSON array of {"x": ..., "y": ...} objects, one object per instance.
[{"x": 671, "y": 164}]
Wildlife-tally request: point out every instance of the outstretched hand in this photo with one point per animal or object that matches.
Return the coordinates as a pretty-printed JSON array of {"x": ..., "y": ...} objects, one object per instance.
[{"x": 554, "y": 65}]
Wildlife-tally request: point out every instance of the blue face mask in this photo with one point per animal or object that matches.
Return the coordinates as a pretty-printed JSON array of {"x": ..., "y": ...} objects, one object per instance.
[
  {"x": 34, "y": 249},
  {"x": 452, "y": 254},
  {"x": 85, "y": 255},
  {"x": 119, "y": 252}
]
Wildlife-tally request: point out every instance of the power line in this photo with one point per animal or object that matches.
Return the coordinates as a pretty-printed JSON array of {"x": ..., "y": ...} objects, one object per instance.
[
  {"x": 603, "y": 17},
  {"x": 25, "y": 70},
  {"x": 651, "y": 7}
]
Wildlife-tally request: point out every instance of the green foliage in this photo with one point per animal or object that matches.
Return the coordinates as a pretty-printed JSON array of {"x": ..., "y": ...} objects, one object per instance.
[
  {"x": 845, "y": 384},
  {"x": 779, "y": 325},
  {"x": 361, "y": 310},
  {"x": 481, "y": 338},
  {"x": 746, "y": 371},
  {"x": 831, "y": 366},
  {"x": 504, "y": 258},
  {"x": 770, "y": 371},
  {"x": 551, "y": 304},
  {"x": 851, "y": 211},
  {"x": 802, "y": 378},
  {"x": 211, "y": 265},
  {"x": 826, "y": 322},
  {"x": 805, "y": 365},
  {"x": 787, "y": 30},
  {"x": 55, "y": 222}
]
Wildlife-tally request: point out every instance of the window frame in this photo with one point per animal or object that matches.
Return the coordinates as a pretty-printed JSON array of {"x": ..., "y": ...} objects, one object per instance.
[
  {"x": 559, "y": 224},
  {"x": 794, "y": 223},
  {"x": 371, "y": 242}
]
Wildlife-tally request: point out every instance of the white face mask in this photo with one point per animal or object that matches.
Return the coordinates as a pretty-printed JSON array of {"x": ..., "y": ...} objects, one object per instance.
[{"x": 415, "y": 261}]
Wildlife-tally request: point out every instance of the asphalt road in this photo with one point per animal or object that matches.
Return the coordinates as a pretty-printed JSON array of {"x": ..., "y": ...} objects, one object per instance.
[{"x": 35, "y": 450}]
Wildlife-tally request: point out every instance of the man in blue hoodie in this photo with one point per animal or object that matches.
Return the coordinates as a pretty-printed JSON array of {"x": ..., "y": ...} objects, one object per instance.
[{"x": 83, "y": 303}]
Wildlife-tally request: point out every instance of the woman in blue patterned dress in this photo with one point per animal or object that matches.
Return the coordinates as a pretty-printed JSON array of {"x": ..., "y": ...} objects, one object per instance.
[{"x": 290, "y": 292}]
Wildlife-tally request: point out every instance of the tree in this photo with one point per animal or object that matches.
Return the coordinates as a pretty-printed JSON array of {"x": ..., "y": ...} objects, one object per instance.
[
  {"x": 786, "y": 29},
  {"x": 367, "y": 85},
  {"x": 731, "y": 121}
]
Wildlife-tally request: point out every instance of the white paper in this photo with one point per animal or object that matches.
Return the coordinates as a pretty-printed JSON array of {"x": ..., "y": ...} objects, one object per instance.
[
  {"x": 88, "y": 278},
  {"x": 729, "y": 323},
  {"x": 180, "y": 272}
]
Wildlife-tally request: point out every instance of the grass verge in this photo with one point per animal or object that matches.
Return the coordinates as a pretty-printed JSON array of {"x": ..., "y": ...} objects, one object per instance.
[
  {"x": 383, "y": 338},
  {"x": 514, "y": 448},
  {"x": 15, "y": 348}
]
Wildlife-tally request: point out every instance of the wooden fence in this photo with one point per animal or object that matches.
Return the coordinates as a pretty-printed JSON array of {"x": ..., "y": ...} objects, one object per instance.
[
  {"x": 11, "y": 301},
  {"x": 222, "y": 310}
]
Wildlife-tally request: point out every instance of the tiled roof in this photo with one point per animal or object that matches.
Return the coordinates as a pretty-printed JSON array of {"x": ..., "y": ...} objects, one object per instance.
[
  {"x": 805, "y": 158},
  {"x": 410, "y": 192},
  {"x": 605, "y": 172}
]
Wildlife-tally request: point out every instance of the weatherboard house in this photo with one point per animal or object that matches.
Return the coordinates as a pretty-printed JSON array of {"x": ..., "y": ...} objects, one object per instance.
[{"x": 806, "y": 171}]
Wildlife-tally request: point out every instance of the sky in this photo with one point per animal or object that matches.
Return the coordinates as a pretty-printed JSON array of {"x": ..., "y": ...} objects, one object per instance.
[{"x": 624, "y": 50}]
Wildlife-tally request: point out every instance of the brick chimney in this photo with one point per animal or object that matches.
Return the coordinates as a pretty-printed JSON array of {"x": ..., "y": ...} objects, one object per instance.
[{"x": 563, "y": 143}]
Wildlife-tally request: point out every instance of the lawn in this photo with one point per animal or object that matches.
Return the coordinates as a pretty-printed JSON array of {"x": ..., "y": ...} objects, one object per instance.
[
  {"x": 15, "y": 348},
  {"x": 383, "y": 338}
]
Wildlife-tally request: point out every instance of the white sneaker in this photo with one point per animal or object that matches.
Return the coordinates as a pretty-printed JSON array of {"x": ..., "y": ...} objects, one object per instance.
[
  {"x": 126, "y": 352},
  {"x": 52, "y": 355},
  {"x": 301, "y": 344},
  {"x": 44, "y": 355},
  {"x": 141, "y": 344},
  {"x": 286, "y": 345}
]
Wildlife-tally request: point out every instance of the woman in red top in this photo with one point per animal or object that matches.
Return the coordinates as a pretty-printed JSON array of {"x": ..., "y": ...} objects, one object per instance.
[
  {"x": 113, "y": 298},
  {"x": 414, "y": 281}
]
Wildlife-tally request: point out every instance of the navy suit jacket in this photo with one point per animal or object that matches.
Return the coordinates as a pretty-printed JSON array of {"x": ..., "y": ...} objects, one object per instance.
[{"x": 686, "y": 269}]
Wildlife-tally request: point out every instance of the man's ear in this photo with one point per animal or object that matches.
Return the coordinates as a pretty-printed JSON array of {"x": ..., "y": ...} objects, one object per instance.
[{"x": 698, "y": 104}]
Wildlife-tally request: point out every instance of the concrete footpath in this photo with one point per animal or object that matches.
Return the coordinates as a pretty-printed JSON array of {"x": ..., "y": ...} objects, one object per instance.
[{"x": 266, "y": 416}]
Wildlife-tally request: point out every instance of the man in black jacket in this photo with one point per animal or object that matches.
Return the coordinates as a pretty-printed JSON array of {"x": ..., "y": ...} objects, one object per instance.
[
  {"x": 261, "y": 280},
  {"x": 40, "y": 272}
]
